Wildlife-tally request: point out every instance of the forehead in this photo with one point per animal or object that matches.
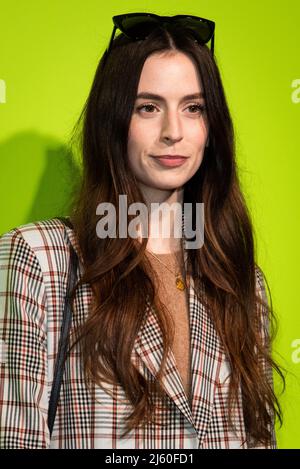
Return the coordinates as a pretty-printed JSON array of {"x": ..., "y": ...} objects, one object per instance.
[{"x": 168, "y": 73}]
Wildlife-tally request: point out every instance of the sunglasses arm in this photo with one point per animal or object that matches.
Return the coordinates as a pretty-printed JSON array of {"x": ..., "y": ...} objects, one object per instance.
[
  {"x": 111, "y": 39},
  {"x": 212, "y": 43}
]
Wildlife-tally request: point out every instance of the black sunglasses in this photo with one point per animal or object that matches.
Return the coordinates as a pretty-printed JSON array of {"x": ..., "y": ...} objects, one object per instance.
[{"x": 139, "y": 25}]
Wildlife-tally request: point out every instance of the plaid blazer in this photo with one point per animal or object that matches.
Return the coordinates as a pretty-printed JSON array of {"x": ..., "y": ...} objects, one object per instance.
[{"x": 34, "y": 262}]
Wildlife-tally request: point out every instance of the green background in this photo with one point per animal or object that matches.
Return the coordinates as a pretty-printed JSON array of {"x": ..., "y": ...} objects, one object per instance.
[{"x": 49, "y": 53}]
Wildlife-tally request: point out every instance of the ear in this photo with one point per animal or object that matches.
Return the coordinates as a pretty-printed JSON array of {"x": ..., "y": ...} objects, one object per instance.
[{"x": 207, "y": 142}]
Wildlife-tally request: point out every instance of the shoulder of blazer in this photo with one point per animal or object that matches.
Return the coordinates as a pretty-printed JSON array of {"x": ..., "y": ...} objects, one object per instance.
[
  {"x": 49, "y": 240},
  {"x": 36, "y": 232}
]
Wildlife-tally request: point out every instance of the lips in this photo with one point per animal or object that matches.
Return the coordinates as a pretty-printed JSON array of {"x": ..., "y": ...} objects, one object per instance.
[
  {"x": 170, "y": 156},
  {"x": 170, "y": 160}
]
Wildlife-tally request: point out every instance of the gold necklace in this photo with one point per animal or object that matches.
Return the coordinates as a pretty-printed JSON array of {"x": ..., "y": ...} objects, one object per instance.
[{"x": 180, "y": 284}]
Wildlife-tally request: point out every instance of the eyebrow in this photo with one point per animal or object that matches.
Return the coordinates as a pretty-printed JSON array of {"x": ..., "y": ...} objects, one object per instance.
[{"x": 157, "y": 97}]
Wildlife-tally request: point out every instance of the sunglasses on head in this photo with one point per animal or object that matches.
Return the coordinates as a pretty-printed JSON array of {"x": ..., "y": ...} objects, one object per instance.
[{"x": 138, "y": 26}]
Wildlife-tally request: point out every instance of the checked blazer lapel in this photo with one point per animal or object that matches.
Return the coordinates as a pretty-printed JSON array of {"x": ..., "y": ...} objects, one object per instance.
[
  {"x": 147, "y": 352},
  {"x": 206, "y": 357},
  {"x": 206, "y": 360}
]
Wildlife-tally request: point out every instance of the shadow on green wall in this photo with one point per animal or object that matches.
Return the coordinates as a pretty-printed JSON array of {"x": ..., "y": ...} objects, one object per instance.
[{"x": 39, "y": 176}]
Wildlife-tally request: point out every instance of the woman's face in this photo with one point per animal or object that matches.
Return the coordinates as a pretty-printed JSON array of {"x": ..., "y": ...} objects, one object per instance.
[{"x": 171, "y": 125}]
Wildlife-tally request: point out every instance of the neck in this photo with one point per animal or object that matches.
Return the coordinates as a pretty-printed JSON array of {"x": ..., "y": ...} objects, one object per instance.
[{"x": 157, "y": 241}]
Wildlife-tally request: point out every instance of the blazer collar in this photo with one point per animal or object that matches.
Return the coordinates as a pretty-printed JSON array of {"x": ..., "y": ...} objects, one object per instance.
[{"x": 206, "y": 357}]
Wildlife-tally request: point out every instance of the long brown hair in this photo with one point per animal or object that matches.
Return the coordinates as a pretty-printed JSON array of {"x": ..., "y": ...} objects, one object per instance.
[{"x": 121, "y": 279}]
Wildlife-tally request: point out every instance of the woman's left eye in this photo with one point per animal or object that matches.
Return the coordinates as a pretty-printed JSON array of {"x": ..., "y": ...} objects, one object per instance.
[{"x": 198, "y": 107}]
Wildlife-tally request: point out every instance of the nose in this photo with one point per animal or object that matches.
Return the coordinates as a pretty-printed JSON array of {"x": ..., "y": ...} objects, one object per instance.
[{"x": 171, "y": 127}]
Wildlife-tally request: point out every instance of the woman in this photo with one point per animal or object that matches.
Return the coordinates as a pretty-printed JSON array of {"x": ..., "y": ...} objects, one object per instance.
[{"x": 170, "y": 345}]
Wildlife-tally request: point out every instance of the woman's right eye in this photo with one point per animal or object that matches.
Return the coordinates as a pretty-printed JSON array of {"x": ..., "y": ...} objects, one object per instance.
[{"x": 144, "y": 106}]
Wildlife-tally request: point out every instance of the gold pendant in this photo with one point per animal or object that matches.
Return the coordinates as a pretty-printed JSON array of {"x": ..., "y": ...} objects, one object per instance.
[{"x": 180, "y": 284}]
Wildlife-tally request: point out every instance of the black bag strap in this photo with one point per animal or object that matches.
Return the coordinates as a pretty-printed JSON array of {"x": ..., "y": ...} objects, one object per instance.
[{"x": 64, "y": 336}]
